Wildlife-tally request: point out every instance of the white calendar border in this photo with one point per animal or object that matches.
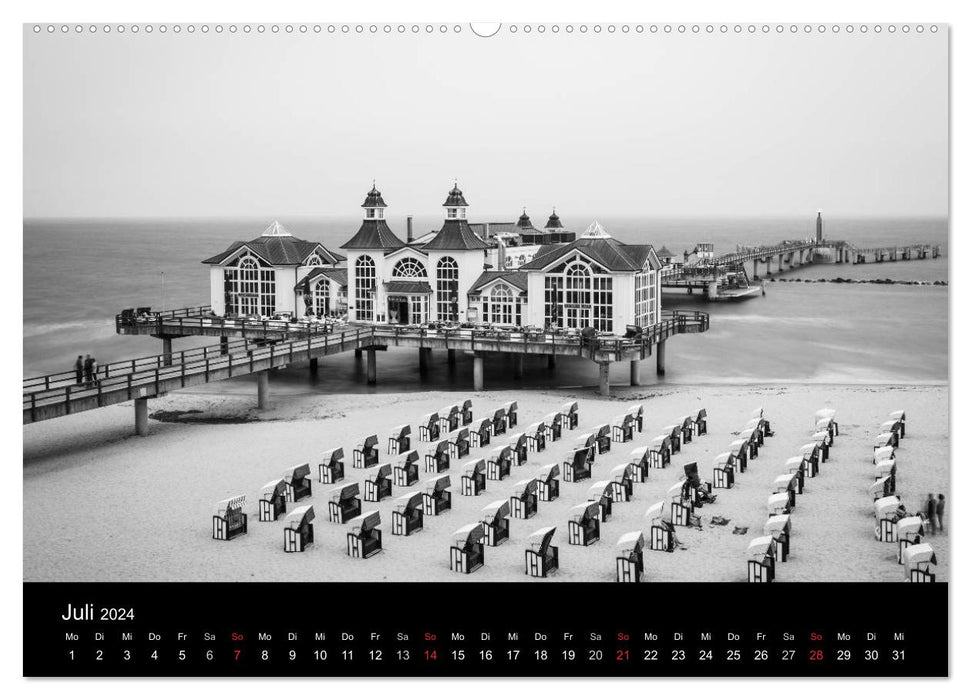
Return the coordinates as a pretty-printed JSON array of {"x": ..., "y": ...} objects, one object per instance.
[{"x": 704, "y": 11}]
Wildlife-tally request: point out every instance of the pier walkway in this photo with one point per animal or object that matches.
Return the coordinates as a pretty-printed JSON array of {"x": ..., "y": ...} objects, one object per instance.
[{"x": 264, "y": 346}]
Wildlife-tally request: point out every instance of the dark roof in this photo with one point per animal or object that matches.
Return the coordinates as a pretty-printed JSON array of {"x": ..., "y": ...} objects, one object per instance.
[
  {"x": 455, "y": 234},
  {"x": 277, "y": 246},
  {"x": 455, "y": 198},
  {"x": 514, "y": 277},
  {"x": 611, "y": 254},
  {"x": 374, "y": 234},
  {"x": 338, "y": 274},
  {"x": 664, "y": 253},
  {"x": 554, "y": 221},
  {"x": 374, "y": 199},
  {"x": 524, "y": 221},
  {"x": 399, "y": 287}
]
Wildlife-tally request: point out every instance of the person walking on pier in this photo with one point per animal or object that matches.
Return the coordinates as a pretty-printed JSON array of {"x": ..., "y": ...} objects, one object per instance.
[
  {"x": 79, "y": 370},
  {"x": 932, "y": 513},
  {"x": 940, "y": 512},
  {"x": 88, "y": 367}
]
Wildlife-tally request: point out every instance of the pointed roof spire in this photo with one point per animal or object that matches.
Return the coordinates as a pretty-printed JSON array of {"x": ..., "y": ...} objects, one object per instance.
[
  {"x": 524, "y": 221},
  {"x": 455, "y": 197},
  {"x": 276, "y": 229},
  {"x": 554, "y": 221},
  {"x": 374, "y": 198}
]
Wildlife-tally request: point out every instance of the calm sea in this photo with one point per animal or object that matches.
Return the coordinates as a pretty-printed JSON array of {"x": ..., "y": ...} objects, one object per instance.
[{"x": 79, "y": 273}]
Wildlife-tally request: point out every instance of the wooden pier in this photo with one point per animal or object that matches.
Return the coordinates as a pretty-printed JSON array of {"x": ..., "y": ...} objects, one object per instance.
[{"x": 266, "y": 345}]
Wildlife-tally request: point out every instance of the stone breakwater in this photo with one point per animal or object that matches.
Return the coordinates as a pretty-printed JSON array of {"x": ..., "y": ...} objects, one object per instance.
[{"x": 845, "y": 280}]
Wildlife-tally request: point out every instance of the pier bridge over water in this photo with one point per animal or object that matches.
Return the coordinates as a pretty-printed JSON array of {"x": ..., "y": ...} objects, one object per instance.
[{"x": 256, "y": 347}]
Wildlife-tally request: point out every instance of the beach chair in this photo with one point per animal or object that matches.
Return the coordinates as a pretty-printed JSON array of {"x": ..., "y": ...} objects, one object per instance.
[
  {"x": 467, "y": 553},
  {"x": 579, "y": 467},
  {"x": 458, "y": 444},
  {"x": 910, "y": 530},
  {"x": 882, "y": 453},
  {"x": 739, "y": 451},
  {"x": 660, "y": 452},
  {"x": 662, "y": 527},
  {"x": 229, "y": 520},
  {"x": 344, "y": 503},
  {"x": 297, "y": 480},
  {"x": 749, "y": 436},
  {"x": 622, "y": 428},
  {"x": 331, "y": 467},
  {"x": 273, "y": 502},
  {"x": 902, "y": 418},
  {"x": 894, "y": 427},
  {"x": 407, "y": 517},
  {"x": 700, "y": 423},
  {"x": 481, "y": 432},
  {"x": 881, "y": 488},
  {"x": 621, "y": 478},
  {"x": 542, "y": 558},
  {"x": 797, "y": 467},
  {"x": 779, "y": 527},
  {"x": 366, "y": 452},
  {"x": 887, "y": 468},
  {"x": 548, "y": 483},
  {"x": 437, "y": 498},
  {"x": 570, "y": 412},
  {"x": 636, "y": 413},
  {"x": 674, "y": 435},
  {"x": 437, "y": 459},
  {"x": 753, "y": 430},
  {"x": 499, "y": 463},
  {"x": 429, "y": 427},
  {"x": 723, "y": 471},
  {"x": 886, "y": 512},
  {"x": 536, "y": 437},
  {"x": 522, "y": 503},
  {"x": 499, "y": 421},
  {"x": 517, "y": 445},
  {"x": 602, "y": 438},
  {"x": 639, "y": 464},
  {"x": 583, "y": 524},
  {"x": 630, "y": 562},
  {"x": 786, "y": 483},
  {"x": 554, "y": 427},
  {"x": 761, "y": 559},
  {"x": 691, "y": 492},
  {"x": 405, "y": 473},
  {"x": 687, "y": 431},
  {"x": 299, "y": 531},
  {"x": 885, "y": 440},
  {"x": 495, "y": 522},
  {"x": 467, "y": 412},
  {"x": 449, "y": 418},
  {"x": 778, "y": 503},
  {"x": 473, "y": 477},
  {"x": 399, "y": 441},
  {"x": 601, "y": 493},
  {"x": 511, "y": 410},
  {"x": 810, "y": 455},
  {"x": 919, "y": 561},
  {"x": 822, "y": 442},
  {"x": 826, "y": 425},
  {"x": 377, "y": 484},
  {"x": 586, "y": 441},
  {"x": 364, "y": 539},
  {"x": 827, "y": 414}
]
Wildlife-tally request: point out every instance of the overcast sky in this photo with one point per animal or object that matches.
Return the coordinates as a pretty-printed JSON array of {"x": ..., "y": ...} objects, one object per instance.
[{"x": 679, "y": 125}]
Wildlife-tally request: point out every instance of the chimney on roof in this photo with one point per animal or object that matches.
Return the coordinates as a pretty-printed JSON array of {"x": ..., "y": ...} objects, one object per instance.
[{"x": 411, "y": 234}]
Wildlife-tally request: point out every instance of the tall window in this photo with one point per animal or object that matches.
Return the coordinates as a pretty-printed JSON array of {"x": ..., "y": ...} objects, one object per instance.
[
  {"x": 578, "y": 295},
  {"x": 505, "y": 306},
  {"x": 447, "y": 289},
  {"x": 250, "y": 288},
  {"x": 645, "y": 298},
  {"x": 364, "y": 285},
  {"x": 322, "y": 297},
  {"x": 409, "y": 267}
]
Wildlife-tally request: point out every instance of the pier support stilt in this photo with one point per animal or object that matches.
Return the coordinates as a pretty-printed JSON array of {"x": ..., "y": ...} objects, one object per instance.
[
  {"x": 263, "y": 389},
  {"x": 635, "y": 372},
  {"x": 167, "y": 351},
  {"x": 451, "y": 358},
  {"x": 713, "y": 289},
  {"x": 223, "y": 345},
  {"x": 551, "y": 361},
  {"x": 424, "y": 360},
  {"x": 755, "y": 269},
  {"x": 372, "y": 366},
  {"x": 313, "y": 365},
  {"x": 478, "y": 371},
  {"x": 358, "y": 353},
  {"x": 660, "y": 358},
  {"x": 141, "y": 417},
  {"x": 518, "y": 362},
  {"x": 604, "y": 379}
]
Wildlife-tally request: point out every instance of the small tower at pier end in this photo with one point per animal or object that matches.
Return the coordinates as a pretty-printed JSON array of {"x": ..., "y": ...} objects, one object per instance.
[{"x": 819, "y": 227}]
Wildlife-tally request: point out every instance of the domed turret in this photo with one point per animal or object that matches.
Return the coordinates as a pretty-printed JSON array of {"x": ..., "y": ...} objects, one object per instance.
[{"x": 554, "y": 223}]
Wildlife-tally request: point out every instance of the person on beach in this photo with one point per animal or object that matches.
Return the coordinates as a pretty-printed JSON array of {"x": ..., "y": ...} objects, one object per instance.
[
  {"x": 79, "y": 370},
  {"x": 88, "y": 365},
  {"x": 932, "y": 513},
  {"x": 940, "y": 512}
]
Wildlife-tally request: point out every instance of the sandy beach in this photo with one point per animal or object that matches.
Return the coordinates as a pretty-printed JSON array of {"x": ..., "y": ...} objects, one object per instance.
[{"x": 103, "y": 505}]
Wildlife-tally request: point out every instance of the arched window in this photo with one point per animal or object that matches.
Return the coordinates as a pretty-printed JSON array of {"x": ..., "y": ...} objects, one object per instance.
[
  {"x": 250, "y": 288},
  {"x": 579, "y": 295},
  {"x": 364, "y": 286},
  {"x": 447, "y": 290},
  {"x": 315, "y": 261},
  {"x": 409, "y": 267},
  {"x": 322, "y": 297},
  {"x": 504, "y": 305}
]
